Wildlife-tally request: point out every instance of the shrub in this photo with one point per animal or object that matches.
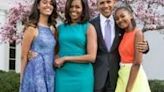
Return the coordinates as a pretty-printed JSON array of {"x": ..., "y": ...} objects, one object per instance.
[
  {"x": 156, "y": 85},
  {"x": 9, "y": 82}
]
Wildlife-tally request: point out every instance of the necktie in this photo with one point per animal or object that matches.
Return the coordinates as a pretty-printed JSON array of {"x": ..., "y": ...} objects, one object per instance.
[{"x": 108, "y": 35}]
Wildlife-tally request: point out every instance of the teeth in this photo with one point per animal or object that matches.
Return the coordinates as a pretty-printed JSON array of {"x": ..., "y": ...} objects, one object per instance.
[
  {"x": 73, "y": 13},
  {"x": 48, "y": 10}
]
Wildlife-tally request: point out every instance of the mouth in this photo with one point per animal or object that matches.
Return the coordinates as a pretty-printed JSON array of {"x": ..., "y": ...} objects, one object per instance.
[
  {"x": 107, "y": 9},
  {"x": 73, "y": 13},
  {"x": 121, "y": 24},
  {"x": 48, "y": 10}
]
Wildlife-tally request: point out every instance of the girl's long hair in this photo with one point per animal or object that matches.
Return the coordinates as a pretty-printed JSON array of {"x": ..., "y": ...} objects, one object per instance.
[{"x": 33, "y": 19}]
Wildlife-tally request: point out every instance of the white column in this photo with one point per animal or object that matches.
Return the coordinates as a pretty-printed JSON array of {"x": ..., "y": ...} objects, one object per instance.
[
  {"x": 18, "y": 50},
  {"x": 18, "y": 58}
]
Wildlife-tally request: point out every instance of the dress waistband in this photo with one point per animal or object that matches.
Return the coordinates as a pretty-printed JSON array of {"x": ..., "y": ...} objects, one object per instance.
[{"x": 126, "y": 64}]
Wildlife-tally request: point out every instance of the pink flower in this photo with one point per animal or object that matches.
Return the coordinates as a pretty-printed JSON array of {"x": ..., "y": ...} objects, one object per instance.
[{"x": 145, "y": 10}]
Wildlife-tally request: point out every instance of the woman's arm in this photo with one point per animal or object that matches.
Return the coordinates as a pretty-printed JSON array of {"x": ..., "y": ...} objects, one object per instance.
[
  {"x": 91, "y": 50},
  {"x": 28, "y": 36},
  {"x": 56, "y": 49},
  {"x": 137, "y": 61}
]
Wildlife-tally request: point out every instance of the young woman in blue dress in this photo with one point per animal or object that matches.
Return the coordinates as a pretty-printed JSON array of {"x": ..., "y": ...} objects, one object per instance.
[{"x": 37, "y": 73}]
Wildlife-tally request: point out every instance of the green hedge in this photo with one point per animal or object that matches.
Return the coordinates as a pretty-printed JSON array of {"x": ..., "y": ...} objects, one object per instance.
[
  {"x": 9, "y": 82},
  {"x": 156, "y": 85}
]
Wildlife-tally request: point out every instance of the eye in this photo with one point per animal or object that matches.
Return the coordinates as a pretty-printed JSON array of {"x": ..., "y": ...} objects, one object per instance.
[
  {"x": 122, "y": 16},
  {"x": 101, "y": 3},
  {"x": 44, "y": 1},
  {"x": 51, "y": 3},
  {"x": 108, "y": 1},
  {"x": 77, "y": 6}
]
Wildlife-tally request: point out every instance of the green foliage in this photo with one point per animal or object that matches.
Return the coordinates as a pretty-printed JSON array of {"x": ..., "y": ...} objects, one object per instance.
[
  {"x": 156, "y": 85},
  {"x": 9, "y": 82}
]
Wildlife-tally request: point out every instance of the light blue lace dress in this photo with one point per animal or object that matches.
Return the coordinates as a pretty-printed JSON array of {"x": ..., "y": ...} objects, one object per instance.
[{"x": 39, "y": 73}]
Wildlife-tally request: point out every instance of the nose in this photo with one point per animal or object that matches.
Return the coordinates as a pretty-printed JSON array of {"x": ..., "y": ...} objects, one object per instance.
[
  {"x": 105, "y": 4},
  {"x": 119, "y": 20},
  {"x": 73, "y": 8},
  {"x": 48, "y": 4}
]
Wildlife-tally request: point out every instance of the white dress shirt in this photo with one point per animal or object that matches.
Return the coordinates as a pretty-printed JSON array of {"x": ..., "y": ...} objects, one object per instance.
[{"x": 103, "y": 23}]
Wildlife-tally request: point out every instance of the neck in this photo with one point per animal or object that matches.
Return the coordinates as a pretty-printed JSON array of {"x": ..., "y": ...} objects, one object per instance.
[
  {"x": 43, "y": 20},
  {"x": 129, "y": 28},
  {"x": 74, "y": 21},
  {"x": 106, "y": 16}
]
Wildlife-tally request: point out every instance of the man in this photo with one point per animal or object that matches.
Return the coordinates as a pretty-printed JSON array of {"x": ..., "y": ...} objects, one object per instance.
[{"x": 106, "y": 65}]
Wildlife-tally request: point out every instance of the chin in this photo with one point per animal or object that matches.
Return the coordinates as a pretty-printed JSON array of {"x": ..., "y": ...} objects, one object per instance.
[
  {"x": 107, "y": 14},
  {"x": 122, "y": 27},
  {"x": 74, "y": 18},
  {"x": 47, "y": 13}
]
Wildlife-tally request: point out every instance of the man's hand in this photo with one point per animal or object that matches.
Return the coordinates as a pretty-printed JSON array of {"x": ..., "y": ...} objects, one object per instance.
[{"x": 142, "y": 46}]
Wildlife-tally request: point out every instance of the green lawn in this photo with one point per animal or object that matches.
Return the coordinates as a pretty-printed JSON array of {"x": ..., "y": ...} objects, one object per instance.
[{"x": 9, "y": 82}]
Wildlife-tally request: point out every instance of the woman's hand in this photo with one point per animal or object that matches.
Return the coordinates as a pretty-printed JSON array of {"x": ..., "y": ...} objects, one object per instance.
[{"x": 59, "y": 62}]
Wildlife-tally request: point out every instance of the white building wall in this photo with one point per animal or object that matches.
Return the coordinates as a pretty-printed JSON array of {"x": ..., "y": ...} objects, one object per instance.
[
  {"x": 154, "y": 60},
  {"x": 4, "y": 48},
  {"x": 4, "y": 57}
]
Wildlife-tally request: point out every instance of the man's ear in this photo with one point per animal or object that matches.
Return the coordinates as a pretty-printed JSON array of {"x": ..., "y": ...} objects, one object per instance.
[{"x": 115, "y": 1}]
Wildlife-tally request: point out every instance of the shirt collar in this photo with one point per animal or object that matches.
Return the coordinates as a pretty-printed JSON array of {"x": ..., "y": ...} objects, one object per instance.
[{"x": 103, "y": 18}]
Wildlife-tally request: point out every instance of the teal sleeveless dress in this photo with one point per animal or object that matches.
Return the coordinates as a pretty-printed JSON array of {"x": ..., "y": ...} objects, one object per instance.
[{"x": 73, "y": 77}]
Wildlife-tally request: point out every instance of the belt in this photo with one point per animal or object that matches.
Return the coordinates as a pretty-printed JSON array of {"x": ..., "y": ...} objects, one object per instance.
[{"x": 126, "y": 64}]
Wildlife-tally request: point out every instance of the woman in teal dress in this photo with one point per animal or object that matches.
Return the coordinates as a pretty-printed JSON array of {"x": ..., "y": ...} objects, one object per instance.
[{"x": 77, "y": 50}]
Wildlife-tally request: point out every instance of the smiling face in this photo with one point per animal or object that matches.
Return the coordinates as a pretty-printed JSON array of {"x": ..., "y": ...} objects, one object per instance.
[
  {"x": 123, "y": 18},
  {"x": 75, "y": 10},
  {"x": 105, "y": 7},
  {"x": 45, "y": 7}
]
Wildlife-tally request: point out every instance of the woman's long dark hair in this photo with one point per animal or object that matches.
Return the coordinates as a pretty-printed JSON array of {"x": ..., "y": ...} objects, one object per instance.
[
  {"x": 34, "y": 16},
  {"x": 85, "y": 12}
]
